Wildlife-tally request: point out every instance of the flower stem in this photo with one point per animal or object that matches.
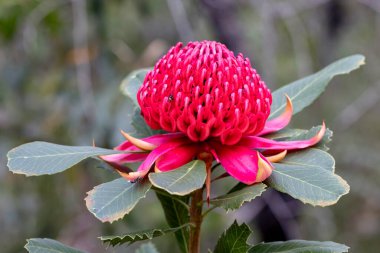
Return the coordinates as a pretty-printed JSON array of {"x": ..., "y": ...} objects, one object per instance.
[
  {"x": 196, "y": 219},
  {"x": 196, "y": 205}
]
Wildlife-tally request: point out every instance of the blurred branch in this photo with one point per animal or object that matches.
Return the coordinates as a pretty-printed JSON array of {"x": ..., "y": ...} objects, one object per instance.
[
  {"x": 269, "y": 36},
  {"x": 29, "y": 31},
  {"x": 372, "y": 4},
  {"x": 224, "y": 18},
  {"x": 122, "y": 51},
  {"x": 298, "y": 35},
  {"x": 368, "y": 159},
  {"x": 181, "y": 21},
  {"x": 298, "y": 6},
  {"x": 82, "y": 58},
  {"x": 355, "y": 110},
  {"x": 288, "y": 11},
  {"x": 365, "y": 188},
  {"x": 282, "y": 7}
]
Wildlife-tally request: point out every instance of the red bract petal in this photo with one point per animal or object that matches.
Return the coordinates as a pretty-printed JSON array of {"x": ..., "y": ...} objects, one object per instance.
[
  {"x": 125, "y": 158},
  {"x": 138, "y": 157},
  {"x": 141, "y": 144},
  {"x": 240, "y": 162},
  {"x": 175, "y": 158},
  {"x": 281, "y": 121},
  {"x": 276, "y": 158},
  {"x": 231, "y": 136},
  {"x": 157, "y": 153},
  {"x": 265, "y": 169},
  {"x": 268, "y": 144},
  {"x": 155, "y": 139}
]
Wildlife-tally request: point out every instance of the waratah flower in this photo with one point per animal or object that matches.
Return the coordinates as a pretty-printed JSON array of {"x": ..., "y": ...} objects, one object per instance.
[{"x": 213, "y": 105}]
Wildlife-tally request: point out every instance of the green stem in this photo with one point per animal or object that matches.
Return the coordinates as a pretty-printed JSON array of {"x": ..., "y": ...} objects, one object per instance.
[
  {"x": 208, "y": 211},
  {"x": 197, "y": 204},
  {"x": 196, "y": 220}
]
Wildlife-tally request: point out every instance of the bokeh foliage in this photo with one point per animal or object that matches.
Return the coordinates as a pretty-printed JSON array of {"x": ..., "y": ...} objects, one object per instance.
[{"x": 61, "y": 63}]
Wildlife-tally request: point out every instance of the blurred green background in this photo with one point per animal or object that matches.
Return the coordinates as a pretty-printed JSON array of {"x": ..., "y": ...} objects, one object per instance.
[{"x": 61, "y": 63}]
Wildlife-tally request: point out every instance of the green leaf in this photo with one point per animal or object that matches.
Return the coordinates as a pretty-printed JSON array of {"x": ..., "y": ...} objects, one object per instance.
[
  {"x": 140, "y": 126},
  {"x": 183, "y": 180},
  {"x": 43, "y": 158},
  {"x": 129, "y": 87},
  {"x": 138, "y": 236},
  {"x": 147, "y": 248},
  {"x": 39, "y": 245},
  {"x": 234, "y": 239},
  {"x": 142, "y": 130},
  {"x": 285, "y": 134},
  {"x": 299, "y": 246},
  {"x": 111, "y": 201},
  {"x": 235, "y": 199},
  {"x": 131, "y": 84},
  {"x": 308, "y": 175},
  {"x": 304, "y": 91},
  {"x": 302, "y": 134},
  {"x": 176, "y": 214}
]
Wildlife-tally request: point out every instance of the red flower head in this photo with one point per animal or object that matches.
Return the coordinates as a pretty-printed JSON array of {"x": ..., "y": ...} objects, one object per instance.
[
  {"x": 213, "y": 106},
  {"x": 204, "y": 91}
]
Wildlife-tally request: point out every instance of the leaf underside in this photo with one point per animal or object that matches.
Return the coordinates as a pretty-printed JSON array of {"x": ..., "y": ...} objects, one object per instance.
[
  {"x": 44, "y": 245},
  {"x": 308, "y": 175},
  {"x": 235, "y": 199},
  {"x": 299, "y": 246},
  {"x": 131, "y": 84},
  {"x": 43, "y": 158},
  {"x": 183, "y": 180},
  {"x": 304, "y": 91},
  {"x": 138, "y": 236},
  {"x": 112, "y": 200}
]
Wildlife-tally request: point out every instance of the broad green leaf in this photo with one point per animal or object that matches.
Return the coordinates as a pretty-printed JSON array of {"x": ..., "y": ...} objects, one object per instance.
[
  {"x": 111, "y": 201},
  {"x": 43, "y": 158},
  {"x": 176, "y": 214},
  {"x": 234, "y": 239},
  {"x": 141, "y": 128},
  {"x": 147, "y": 248},
  {"x": 304, "y": 91},
  {"x": 299, "y": 246},
  {"x": 132, "y": 83},
  {"x": 183, "y": 180},
  {"x": 311, "y": 158},
  {"x": 129, "y": 87},
  {"x": 44, "y": 245},
  {"x": 308, "y": 175},
  {"x": 138, "y": 236},
  {"x": 235, "y": 199},
  {"x": 285, "y": 134}
]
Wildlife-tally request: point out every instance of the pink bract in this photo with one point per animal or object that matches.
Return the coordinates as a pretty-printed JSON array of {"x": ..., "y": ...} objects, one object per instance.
[{"x": 211, "y": 102}]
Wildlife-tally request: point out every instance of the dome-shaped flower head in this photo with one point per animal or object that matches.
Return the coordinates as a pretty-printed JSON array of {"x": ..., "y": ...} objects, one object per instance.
[
  {"x": 204, "y": 91},
  {"x": 213, "y": 106}
]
